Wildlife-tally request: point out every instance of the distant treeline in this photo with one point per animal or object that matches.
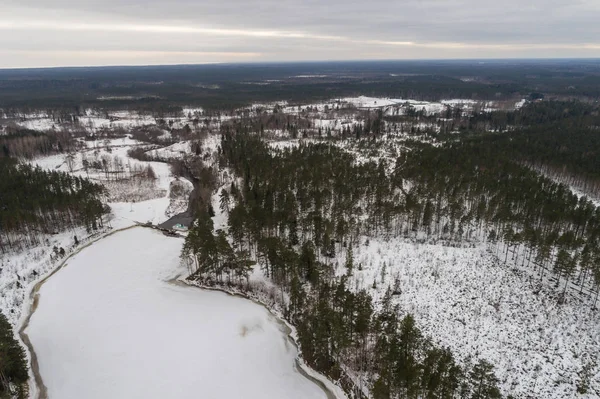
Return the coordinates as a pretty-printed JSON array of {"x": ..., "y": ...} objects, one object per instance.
[
  {"x": 27, "y": 143},
  {"x": 559, "y": 138},
  {"x": 231, "y": 86},
  {"x": 566, "y": 114}
]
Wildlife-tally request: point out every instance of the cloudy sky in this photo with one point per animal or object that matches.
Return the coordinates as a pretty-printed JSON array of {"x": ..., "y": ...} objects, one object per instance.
[{"x": 35, "y": 33}]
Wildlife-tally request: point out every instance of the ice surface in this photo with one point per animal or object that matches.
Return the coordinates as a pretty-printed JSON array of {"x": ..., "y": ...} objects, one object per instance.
[{"x": 109, "y": 325}]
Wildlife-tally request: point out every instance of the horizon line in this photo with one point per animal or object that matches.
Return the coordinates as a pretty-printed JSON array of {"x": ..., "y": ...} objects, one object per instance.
[{"x": 291, "y": 62}]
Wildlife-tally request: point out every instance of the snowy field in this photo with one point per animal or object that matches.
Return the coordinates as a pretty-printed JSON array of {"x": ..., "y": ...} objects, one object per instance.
[
  {"x": 465, "y": 300},
  {"x": 111, "y": 325}
]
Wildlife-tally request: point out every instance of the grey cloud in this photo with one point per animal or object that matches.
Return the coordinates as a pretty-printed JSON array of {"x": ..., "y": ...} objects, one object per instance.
[{"x": 362, "y": 29}]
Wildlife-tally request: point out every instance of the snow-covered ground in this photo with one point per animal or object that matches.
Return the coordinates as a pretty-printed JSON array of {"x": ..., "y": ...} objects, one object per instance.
[
  {"x": 391, "y": 106},
  {"x": 520, "y": 104},
  {"x": 115, "y": 152},
  {"x": 463, "y": 298},
  {"x": 179, "y": 194},
  {"x": 175, "y": 151},
  {"x": 94, "y": 120},
  {"x": 20, "y": 270},
  {"x": 466, "y": 299},
  {"x": 395, "y": 105},
  {"x": 333, "y": 114},
  {"x": 110, "y": 325}
]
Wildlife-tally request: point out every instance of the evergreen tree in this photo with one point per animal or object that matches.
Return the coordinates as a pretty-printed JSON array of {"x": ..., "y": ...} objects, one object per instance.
[
  {"x": 349, "y": 261},
  {"x": 13, "y": 363},
  {"x": 483, "y": 381}
]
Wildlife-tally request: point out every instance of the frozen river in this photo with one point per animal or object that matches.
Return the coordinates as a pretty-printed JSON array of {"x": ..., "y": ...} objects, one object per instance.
[{"x": 111, "y": 325}]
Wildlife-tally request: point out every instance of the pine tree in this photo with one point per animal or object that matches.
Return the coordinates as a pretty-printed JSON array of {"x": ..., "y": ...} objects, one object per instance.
[
  {"x": 349, "y": 261},
  {"x": 224, "y": 201},
  {"x": 13, "y": 362},
  {"x": 483, "y": 381}
]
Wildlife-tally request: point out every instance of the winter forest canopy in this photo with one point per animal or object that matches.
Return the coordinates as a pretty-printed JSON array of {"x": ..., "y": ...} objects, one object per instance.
[
  {"x": 295, "y": 191},
  {"x": 34, "y": 201}
]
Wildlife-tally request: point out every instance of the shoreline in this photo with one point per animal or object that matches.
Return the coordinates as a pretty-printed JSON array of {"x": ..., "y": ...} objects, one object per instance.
[
  {"x": 38, "y": 389},
  {"x": 333, "y": 391}
]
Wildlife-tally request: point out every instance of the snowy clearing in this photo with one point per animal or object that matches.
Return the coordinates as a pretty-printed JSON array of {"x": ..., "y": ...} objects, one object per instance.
[{"x": 464, "y": 299}]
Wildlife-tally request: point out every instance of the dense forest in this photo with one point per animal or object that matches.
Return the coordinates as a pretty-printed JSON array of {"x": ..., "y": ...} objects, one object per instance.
[
  {"x": 558, "y": 138},
  {"x": 36, "y": 202},
  {"x": 13, "y": 364},
  {"x": 293, "y": 211},
  {"x": 469, "y": 189},
  {"x": 228, "y": 86},
  {"x": 26, "y": 143}
]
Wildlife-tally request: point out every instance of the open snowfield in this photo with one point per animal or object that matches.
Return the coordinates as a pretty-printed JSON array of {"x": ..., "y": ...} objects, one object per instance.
[
  {"x": 175, "y": 151},
  {"x": 463, "y": 298},
  {"x": 111, "y": 325}
]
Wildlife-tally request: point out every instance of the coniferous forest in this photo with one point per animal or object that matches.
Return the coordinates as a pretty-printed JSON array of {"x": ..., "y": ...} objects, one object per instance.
[
  {"x": 36, "y": 202},
  {"x": 13, "y": 364},
  {"x": 293, "y": 209}
]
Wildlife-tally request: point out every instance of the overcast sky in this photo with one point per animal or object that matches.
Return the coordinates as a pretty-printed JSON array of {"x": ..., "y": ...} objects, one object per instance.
[{"x": 36, "y": 33}]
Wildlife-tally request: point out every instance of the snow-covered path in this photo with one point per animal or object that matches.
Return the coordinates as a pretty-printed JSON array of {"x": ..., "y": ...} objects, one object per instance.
[{"x": 110, "y": 325}]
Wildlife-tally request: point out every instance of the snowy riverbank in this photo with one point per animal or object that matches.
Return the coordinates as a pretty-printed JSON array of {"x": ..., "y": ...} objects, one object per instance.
[{"x": 110, "y": 324}]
